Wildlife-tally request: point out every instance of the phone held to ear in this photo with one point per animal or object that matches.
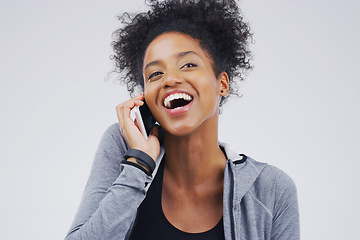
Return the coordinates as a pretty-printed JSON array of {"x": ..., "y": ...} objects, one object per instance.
[{"x": 145, "y": 119}]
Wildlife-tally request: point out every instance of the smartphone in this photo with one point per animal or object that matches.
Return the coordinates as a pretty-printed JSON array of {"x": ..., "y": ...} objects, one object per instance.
[{"x": 145, "y": 119}]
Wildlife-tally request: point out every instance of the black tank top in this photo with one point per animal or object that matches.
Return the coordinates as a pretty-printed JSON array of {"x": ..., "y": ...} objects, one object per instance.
[{"x": 151, "y": 222}]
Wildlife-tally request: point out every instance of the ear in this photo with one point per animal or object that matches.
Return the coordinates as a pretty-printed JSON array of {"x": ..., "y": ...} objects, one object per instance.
[{"x": 223, "y": 84}]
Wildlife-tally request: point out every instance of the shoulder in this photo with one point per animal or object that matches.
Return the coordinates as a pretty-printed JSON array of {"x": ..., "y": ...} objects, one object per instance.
[
  {"x": 113, "y": 131},
  {"x": 274, "y": 177},
  {"x": 276, "y": 191},
  {"x": 273, "y": 187},
  {"x": 112, "y": 144},
  {"x": 113, "y": 135},
  {"x": 269, "y": 197},
  {"x": 271, "y": 175}
]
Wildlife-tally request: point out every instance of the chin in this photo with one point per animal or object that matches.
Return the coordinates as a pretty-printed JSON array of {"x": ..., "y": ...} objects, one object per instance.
[{"x": 180, "y": 131}]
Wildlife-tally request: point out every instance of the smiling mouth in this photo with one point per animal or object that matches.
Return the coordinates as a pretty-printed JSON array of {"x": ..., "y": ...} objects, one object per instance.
[{"x": 177, "y": 100}]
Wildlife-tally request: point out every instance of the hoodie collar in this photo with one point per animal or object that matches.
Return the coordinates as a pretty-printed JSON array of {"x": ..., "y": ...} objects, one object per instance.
[
  {"x": 232, "y": 156},
  {"x": 242, "y": 171}
]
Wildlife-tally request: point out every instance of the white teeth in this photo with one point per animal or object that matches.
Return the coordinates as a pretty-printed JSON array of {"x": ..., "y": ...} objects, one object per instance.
[{"x": 171, "y": 97}]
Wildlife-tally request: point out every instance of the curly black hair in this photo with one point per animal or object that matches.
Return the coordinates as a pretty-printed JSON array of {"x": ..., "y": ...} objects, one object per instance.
[{"x": 217, "y": 24}]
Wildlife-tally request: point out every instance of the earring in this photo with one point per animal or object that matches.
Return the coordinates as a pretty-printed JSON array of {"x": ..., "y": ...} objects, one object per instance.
[{"x": 222, "y": 91}]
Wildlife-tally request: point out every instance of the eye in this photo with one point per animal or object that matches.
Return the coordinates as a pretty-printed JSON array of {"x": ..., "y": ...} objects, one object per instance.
[
  {"x": 153, "y": 75},
  {"x": 189, "y": 65}
]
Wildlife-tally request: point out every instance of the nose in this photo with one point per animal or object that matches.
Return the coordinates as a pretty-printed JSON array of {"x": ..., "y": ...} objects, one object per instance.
[{"x": 171, "y": 78}]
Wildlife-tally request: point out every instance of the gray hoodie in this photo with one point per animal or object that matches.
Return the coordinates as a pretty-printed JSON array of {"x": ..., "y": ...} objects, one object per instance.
[{"x": 259, "y": 202}]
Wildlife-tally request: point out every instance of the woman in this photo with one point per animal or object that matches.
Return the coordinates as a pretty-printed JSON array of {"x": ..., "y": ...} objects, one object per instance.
[{"x": 185, "y": 56}]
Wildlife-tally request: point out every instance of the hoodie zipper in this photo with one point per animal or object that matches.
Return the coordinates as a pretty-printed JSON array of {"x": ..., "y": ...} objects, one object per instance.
[{"x": 232, "y": 218}]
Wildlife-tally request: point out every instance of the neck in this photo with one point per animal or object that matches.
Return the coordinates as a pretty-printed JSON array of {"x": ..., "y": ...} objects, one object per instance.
[{"x": 195, "y": 159}]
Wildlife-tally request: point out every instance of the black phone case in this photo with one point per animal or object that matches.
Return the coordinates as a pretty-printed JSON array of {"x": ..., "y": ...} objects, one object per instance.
[{"x": 147, "y": 117}]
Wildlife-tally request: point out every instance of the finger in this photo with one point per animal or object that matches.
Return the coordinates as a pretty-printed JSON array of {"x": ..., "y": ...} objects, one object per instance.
[
  {"x": 139, "y": 96},
  {"x": 127, "y": 106},
  {"x": 119, "y": 115},
  {"x": 135, "y": 136}
]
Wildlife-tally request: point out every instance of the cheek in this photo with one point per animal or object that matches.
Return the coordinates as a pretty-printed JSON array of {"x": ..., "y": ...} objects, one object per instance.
[
  {"x": 149, "y": 90},
  {"x": 210, "y": 89},
  {"x": 150, "y": 94},
  {"x": 209, "y": 85}
]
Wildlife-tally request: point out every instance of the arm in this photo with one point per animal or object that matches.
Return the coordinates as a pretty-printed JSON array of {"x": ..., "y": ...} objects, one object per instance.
[
  {"x": 286, "y": 213},
  {"x": 112, "y": 195}
]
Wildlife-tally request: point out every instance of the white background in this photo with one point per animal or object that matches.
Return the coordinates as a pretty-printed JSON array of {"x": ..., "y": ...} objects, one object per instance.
[{"x": 299, "y": 110}]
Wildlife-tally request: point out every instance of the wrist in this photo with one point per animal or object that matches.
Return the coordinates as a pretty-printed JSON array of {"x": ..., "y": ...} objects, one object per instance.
[
  {"x": 141, "y": 158},
  {"x": 133, "y": 160}
]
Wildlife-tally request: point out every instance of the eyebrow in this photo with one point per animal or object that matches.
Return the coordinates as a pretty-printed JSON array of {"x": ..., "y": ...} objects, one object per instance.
[
  {"x": 179, "y": 55},
  {"x": 186, "y": 53}
]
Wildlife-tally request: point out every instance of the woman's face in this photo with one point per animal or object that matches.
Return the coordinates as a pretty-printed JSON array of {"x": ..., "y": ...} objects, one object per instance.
[{"x": 181, "y": 88}]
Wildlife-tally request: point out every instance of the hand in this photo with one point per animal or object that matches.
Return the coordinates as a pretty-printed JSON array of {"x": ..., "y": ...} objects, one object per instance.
[{"x": 131, "y": 131}]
